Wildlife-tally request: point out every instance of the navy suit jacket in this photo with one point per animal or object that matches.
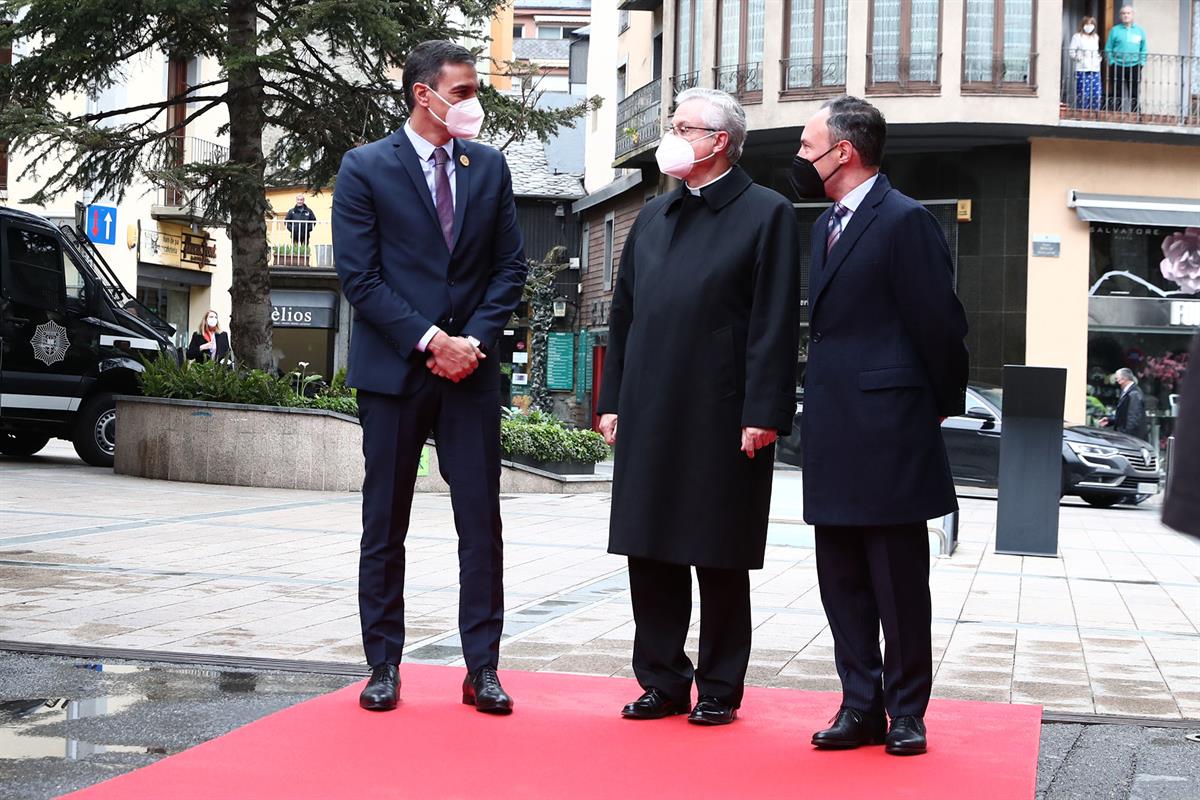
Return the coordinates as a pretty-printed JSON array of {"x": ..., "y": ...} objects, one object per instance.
[
  {"x": 398, "y": 273},
  {"x": 886, "y": 359}
]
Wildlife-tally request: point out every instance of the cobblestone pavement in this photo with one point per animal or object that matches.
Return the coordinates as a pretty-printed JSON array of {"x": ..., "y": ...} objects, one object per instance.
[{"x": 93, "y": 559}]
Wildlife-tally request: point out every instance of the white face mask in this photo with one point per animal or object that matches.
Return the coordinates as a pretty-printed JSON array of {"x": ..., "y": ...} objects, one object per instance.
[
  {"x": 676, "y": 157},
  {"x": 1089, "y": 28},
  {"x": 212, "y": 321},
  {"x": 464, "y": 119}
]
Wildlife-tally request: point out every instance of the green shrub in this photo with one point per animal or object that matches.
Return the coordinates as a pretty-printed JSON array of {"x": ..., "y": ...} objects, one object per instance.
[
  {"x": 541, "y": 437},
  {"x": 214, "y": 381},
  {"x": 342, "y": 404}
]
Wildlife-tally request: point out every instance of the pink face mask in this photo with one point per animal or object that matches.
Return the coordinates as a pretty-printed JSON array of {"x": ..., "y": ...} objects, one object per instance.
[{"x": 464, "y": 119}]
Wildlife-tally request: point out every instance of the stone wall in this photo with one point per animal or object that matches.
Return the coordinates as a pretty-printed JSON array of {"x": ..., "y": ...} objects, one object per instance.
[{"x": 283, "y": 448}]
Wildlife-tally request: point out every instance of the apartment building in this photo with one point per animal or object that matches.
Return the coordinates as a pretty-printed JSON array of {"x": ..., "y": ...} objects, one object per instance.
[
  {"x": 1056, "y": 203},
  {"x": 158, "y": 242}
]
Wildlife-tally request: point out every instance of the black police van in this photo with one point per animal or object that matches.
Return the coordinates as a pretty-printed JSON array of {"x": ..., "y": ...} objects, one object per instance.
[{"x": 71, "y": 337}]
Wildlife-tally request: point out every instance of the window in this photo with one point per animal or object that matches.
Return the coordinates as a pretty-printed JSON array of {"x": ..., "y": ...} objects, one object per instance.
[
  {"x": 905, "y": 51},
  {"x": 816, "y": 46},
  {"x": 583, "y": 255},
  {"x": 998, "y": 43},
  {"x": 33, "y": 270},
  {"x": 740, "y": 27},
  {"x": 608, "y": 251},
  {"x": 622, "y": 72},
  {"x": 623, "y": 22},
  {"x": 518, "y": 31},
  {"x": 689, "y": 33},
  {"x": 556, "y": 31}
]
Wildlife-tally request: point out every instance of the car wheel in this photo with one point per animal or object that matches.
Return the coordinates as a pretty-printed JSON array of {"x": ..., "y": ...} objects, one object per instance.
[
  {"x": 1101, "y": 500},
  {"x": 96, "y": 431},
  {"x": 21, "y": 444}
]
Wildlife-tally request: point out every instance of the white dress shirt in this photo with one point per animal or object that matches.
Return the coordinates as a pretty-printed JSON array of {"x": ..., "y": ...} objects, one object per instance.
[
  {"x": 853, "y": 200},
  {"x": 425, "y": 150}
]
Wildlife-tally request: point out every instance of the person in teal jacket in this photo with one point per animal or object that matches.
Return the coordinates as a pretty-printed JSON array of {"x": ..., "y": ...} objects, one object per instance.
[{"x": 1126, "y": 55}]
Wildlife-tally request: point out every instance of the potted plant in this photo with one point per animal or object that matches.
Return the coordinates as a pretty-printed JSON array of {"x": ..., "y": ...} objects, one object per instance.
[
  {"x": 539, "y": 440},
  {"x": 290, "y": 255}
]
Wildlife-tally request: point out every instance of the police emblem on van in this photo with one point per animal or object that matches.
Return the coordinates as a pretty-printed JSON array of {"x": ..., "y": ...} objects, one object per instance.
[{"x": 50, "y": 343}]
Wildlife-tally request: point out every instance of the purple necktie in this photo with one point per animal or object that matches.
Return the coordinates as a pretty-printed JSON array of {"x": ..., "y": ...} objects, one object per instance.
[
  {"x": 444, "y": 200},
  {"x": 834, "y": 229}
]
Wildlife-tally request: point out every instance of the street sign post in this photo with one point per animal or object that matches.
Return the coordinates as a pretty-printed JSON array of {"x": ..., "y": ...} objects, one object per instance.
[{"x": 101, "y": 224}]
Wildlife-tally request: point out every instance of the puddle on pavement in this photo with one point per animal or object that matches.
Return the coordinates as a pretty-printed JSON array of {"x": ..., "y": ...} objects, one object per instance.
[{"x": 25, "y": 722}]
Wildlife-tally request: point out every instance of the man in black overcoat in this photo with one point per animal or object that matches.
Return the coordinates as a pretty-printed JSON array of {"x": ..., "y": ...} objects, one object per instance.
[
  {"x": 1181, "y": 503},
  {"x": 699, "y": 379},
  {"x": 1130, "y": 415},
  {"x": 886, "y": 363}
]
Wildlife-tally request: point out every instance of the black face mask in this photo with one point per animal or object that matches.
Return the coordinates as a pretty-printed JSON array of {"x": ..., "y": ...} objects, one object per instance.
[{"x": 806, "y": 182}]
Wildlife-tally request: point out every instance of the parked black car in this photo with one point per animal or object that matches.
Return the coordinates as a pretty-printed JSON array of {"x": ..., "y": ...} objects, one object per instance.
[{"x": 1099, "y": 465}]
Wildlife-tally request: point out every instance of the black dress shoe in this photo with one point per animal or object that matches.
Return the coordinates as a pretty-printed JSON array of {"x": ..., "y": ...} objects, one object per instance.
[
  {"x": 711, "y": 711},
  {"x": 383, "y": 690},
  {"x": 851, "y": 728},
  {"x": 653, "y": 705},
  {"x": 482, "y": 689},
  {"x": 906, "y": 737}
]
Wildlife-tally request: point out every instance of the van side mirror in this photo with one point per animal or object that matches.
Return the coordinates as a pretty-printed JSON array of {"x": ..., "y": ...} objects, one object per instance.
[{"x": 980, "y": 413}]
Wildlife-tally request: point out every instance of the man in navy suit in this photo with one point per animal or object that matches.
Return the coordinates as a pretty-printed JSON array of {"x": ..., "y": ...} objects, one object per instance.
[
  {"x": 886, "y": 364},
  {"x": 429, "y": 254}
]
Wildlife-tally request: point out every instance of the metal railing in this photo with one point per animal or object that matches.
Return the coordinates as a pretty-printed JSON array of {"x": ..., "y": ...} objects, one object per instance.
[
  {"x": 683, "y": 82},
  {"x": 1161, "y": 90},
  {"x": 639, "y": 118},
  {"x": 300, "y": 244},
  {"x": 918, "y": 71},
  {"x": 177, "y": 151},
  {"x": 990, "y": 73},
  {"x": 809, "y": 74},
  {"x": 743, "y": 81}
]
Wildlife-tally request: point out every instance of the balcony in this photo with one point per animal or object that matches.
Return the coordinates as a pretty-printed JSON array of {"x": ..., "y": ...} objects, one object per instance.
[
  {"x": 1010, "y": 74},
  {"x": 175, "y": 201},
  {"x": 891, "y": 71},
  {"x": 1164, "y": 91},
  {"x": 813, "y": 77},
  {"x": 639, "y": 119},
  {"x": 298, "y": 245},
  {"x": 743, "y": 81},
  {"x": 683, "y": 82}
]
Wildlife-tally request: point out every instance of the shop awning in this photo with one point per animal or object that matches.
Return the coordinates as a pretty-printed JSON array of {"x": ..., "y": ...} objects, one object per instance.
[
  {"x": 1133, "y": 210},
  {"x": 302, "y": 308}
]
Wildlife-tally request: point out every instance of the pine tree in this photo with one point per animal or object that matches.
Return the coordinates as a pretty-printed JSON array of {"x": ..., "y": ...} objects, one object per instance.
[{"x": 315, "y": 76}]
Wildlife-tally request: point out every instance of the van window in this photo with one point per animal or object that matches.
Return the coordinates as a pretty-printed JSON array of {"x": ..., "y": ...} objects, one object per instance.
[
  {"x": 33, "y": 269},
  {"x": 76, "y": 285}
]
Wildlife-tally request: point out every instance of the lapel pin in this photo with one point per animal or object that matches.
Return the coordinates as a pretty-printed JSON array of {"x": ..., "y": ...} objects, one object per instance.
[{"x": 462, "y": 159}]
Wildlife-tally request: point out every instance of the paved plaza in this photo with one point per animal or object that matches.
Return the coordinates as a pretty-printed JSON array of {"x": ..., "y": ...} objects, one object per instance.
[{"x": 93, "y": 559}]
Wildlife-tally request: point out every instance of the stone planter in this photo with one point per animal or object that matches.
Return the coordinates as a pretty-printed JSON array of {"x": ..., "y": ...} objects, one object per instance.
[
  {"x": 556, "y": 467},
  {"x": 283, "y": 448}
]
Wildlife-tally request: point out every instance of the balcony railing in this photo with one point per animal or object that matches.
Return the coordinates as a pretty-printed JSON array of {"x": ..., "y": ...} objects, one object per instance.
[
  {"x": 639, "y": 118},
  {"x": 986, "y": 73},
  {"x": 918, "y": 72},
  {"x": 1164, "y": 90},
  {"x": 177, "y": 151},
  {"x": 683, "y": 82},
  {"x": 810, "y": 75},
  {"x": 743, "y": 81},
  {"x": 296, "y": 244}
]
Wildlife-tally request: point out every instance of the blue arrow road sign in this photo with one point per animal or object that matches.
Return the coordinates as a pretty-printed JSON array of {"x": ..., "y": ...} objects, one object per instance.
[{"x": 101, "y": 224}]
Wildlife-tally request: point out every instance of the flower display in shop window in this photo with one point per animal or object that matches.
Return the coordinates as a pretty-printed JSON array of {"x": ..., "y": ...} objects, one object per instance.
[{"x": 1181, "y": 262}]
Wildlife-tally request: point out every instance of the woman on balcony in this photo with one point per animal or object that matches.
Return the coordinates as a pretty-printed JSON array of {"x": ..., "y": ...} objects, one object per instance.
[{"x": 1085, "y": 54}]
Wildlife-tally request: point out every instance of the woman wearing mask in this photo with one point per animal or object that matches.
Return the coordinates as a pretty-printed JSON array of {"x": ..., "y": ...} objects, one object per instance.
[
  {"x": 1085, "y": 53},
  {"x": 209, "y": 341}
]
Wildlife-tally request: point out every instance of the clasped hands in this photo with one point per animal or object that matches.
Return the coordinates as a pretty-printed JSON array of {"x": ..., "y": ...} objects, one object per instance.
[
  {"x": 752, "y": 438},
  {"x": 452, "y": 357}
]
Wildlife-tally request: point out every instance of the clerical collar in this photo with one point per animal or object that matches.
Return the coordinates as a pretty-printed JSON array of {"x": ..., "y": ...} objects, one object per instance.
[{"x": 695, "y": 190}]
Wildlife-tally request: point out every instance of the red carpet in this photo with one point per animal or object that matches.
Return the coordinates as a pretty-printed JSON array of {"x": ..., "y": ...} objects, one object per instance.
[{"x": 566, "y": 740}]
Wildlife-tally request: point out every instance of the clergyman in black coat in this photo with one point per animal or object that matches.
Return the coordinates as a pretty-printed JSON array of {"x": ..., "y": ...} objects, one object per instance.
[
  {"x": 1130, "y": 416},
  {"x": 699, "y": 378},
  {"x": 886, "y": 363}
]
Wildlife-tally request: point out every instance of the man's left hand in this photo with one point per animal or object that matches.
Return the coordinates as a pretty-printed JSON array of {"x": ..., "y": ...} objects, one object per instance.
[{"x": 756, "y": 439}]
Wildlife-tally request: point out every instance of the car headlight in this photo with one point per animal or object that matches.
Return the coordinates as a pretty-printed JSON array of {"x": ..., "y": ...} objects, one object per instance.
[{"x": 1093, "y": 450}]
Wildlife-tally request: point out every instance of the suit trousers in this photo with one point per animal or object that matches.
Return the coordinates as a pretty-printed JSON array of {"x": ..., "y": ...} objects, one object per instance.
[
  {"x": 871, "y": 576},
  {"x": 662, "y": 613},
  {"x": 466, "y": 427}
]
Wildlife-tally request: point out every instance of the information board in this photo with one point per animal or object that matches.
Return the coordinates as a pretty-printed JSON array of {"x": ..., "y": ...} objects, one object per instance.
[{"x": 560, "y": 361}]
